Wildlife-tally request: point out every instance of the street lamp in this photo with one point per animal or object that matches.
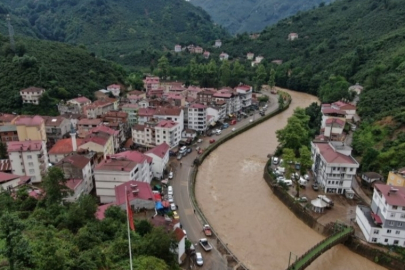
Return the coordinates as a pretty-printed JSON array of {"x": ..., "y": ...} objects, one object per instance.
[{"x": 289, "y": 259}]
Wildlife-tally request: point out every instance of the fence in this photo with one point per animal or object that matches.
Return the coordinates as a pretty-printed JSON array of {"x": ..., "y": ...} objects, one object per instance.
[{"x": 194, "y": 172}]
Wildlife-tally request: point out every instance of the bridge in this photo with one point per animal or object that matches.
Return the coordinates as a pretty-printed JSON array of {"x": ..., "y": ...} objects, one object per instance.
[{"x": 340, "y": 236}]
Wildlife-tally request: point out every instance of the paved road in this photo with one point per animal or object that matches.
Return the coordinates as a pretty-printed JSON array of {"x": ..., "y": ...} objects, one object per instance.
[{"x": 188, "y": 218}]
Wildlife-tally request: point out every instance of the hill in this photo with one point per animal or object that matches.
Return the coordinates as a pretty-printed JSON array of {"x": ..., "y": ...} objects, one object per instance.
[
  {"x": 63, "y": 70},
  {"x": 112, "y": 29},
  {"x": 240, "y": 16},
  {"x": 338, "y": 45}
]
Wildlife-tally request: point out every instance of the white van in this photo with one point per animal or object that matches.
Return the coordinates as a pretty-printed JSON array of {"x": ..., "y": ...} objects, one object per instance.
[
  {"x": 326, "y": 199},
  {"x": 170, "y": 190}
]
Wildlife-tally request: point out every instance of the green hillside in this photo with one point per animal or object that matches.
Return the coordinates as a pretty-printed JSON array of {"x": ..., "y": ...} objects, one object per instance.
[
  {"x": 112, "y": 29},
  {"x": 239, "y": 16},
  {"x": 63, "y": 70},
  {"x": 340, "y": 44}
]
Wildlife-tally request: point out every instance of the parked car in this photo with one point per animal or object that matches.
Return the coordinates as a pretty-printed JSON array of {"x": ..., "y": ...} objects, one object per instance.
[
  {"x": 315, "y": 187},
  {"x": 170, "y": 190},
  {"x": 179, "y": 156},
  {"x": 275, "y": 160},
  {"x": 183, "y": 149},
  {"x": 173, "y": 207},
  {"x": 199, "y": 259},
  {"x": 170, "y": 175},
  {"x": 170, "y": 198},
  {"x": 199, "y": 140},
  {"x": 212, "y": 140},
  {"x": 233, "y": 129},
  {"x": 302, "y": 199},
  {"x": 175, "y": 215},
  {"x": 189, "y": 150},
  {"x": 306, "y": 177}
]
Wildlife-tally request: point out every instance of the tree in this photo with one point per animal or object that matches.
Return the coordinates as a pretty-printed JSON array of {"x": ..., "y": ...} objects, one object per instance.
[
  {"x": 260, "y": 78},
  {"x": 143, "y": 227},
  {"x": 336, "y": 88},
  {"x": 54, "y": 184},
  {"x": 16, "y": 248},
  {"x": 135, "y": 81},
  {"x": 305, "y": 159},
  {"x": 149, "y": 263},
  {"x": 225, "y": 71},
  {"x": 293, "y": 135},
  {"x": 280, "y": 101},
  {"x": 194, "y": 69},
  {"x": 289, "y": 157},
  {"x": 238, "y": 72},
  {"x": 164, "y": 68},
  {"x": 272, "y": 79}
]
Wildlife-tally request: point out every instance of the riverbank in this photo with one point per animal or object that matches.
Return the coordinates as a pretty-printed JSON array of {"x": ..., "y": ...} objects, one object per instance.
[{"x": 353, "y": 243}]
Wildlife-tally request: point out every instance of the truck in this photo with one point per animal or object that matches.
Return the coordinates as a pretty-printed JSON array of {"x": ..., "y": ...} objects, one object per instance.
[
  {"x": 326, "y": 199},
  {"x": 207, "y": 230},
  {"x": 205, "y": 244}
]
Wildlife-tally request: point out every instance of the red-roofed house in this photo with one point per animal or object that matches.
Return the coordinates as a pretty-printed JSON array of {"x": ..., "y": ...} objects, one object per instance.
[
  {"x": 223, "y": 56},
  {"x": 28, "y": 158},
  {"x": 139, "y": 195},
  {"x": 206, "y": 54},
  {"x": 151, "y": 83},
  {"x": 198, "y": 50},
  {"x": 334, "y": 128},
  {"x": 100, "y": 214},
  {"x": 333, "y": 166},
  {"x": 31, "y": 95},
  {"x": 350, "y": 109},
  {"x": 168, "y": 131},
  {"x": 144, "y": 170},
  {"x": 331, "y": 113},
  {"x": 63, "y": 148},
  {"x": 383, "y": 223},
  {"x": 99, "y": 142},
  {"x": 172, "y": 113},
  {"x": 145, "y": 115},
  {"x": 100, "y": 107},
  {"x": 181, "y": 246},
  {"x": 160, "y": 156},
  {"x": 115, "y": 89},
  {"x": 245, "y": 94},
  {"x": 74, "y": 106},
  {"x": 177, "y": 48},
  {"x": 116, "y": 134},
  {"x": 8, "y": 180}
]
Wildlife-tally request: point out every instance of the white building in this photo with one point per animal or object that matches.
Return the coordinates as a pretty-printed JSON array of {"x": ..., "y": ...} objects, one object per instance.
[
  {"x": 175, "y": 114},
  {"x": 223, "y": 56},
  {"x": 119, "y": 169},
  {"x": 331, "y": 113},
  {"x": 77, "y": 170},
  {"x": 31, "y": 95},
  {"x": 384, "y": 223},
  {"x": 218, "y": 43},
  {"x": 245, "y": 95},
  {"x": 333, "y": 166},
  {"x": 231, "y": 99},
  {"x": 177, "y": 48},
  {"x": 197, "y": 117},
  {"x": 115, "y": 89},
  {"x": 350, "y": 109},
  {"x": 145, "y": 115},
  {"x": 160, "y": 158},
  {"x": 168, "y": 131},
  {"x": 28, "y": 158},
  {"x": 10, "y": 181},
  {"x": 292, "y": 36}
]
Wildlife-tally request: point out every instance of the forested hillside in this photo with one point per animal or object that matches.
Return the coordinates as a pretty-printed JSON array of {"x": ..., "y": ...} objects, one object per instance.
[
  {"x": 63, "y": 70},
  {"x": 115, "y": 28},
  {"x": 340, "y": 44},
  {"x": 239, "y": 16}
]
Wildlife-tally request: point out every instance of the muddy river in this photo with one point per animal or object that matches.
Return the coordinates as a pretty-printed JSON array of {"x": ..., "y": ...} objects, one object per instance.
[{"x": 240, "y": 206}]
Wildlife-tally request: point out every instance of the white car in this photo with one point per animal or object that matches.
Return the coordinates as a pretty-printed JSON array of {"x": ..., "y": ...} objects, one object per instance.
[
  {"x": 199, "y": 259},
  {"x": 306, "y": 177},
  {"x": 233, "y": 129},
  {"x": 170, "y": 198},
  {"x": 171, "y": 175},
  {"x": 251, "y": 120},
  {"x": 173, "y": 207},
  {"x": 185, "y": 233},
  {"x": 275, "y": 160},
  {"x": 199, "y": 140}
]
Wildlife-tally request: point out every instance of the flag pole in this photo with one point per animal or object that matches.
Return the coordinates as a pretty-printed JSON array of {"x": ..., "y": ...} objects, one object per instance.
[{"x": 129, "y": 235}]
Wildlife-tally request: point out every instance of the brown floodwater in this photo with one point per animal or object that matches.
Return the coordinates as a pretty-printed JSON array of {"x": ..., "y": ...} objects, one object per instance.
[{"x": 257, "y": 227}]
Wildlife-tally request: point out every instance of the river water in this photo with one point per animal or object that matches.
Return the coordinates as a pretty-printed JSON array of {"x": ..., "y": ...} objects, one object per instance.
[{"x": 257, "y": 227}]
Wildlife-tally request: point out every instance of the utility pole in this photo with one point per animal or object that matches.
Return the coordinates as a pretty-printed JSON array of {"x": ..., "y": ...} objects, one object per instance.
[{"x": 10, "y": 32}]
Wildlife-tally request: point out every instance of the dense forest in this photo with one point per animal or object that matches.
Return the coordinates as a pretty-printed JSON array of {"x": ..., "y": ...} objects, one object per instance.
[
  {"x": 112, "y": 29},
  {"x": 239, "y": 16},
  {"x": 64, "y": 71},
  {"x": 44, "y": 233}
]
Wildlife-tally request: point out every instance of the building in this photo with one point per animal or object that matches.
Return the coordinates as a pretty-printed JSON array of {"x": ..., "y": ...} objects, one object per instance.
[
  {"x": 177, "y": 48},
  {"x": 10, "y": 181},
  {"x": 85, "y": 124},
  {"x": 205, "y": 97},
  {"x": 114, "y": 89},
  {"x": 143, "y": 135},
  {"x": 197, "y": 117},
  {"x": 31, "y": 95},
  {"x": 7, "y": 119},
  {"x": 206, "y": 54},
  {"x": 57, "y": 127},
  {"x": 160, "y": 158},
  {"x": 101, "y": 94},
  {"x": 180, "y": 249},
  {"x": 77, "y": 170},
  {"x": 245, "y": 95},
  {"x": 28, "y": 158},
  {"x": 136, "y": 96},
  {"x": 100, "y": 107},
  {"x": 333, "y": 166},
  {"x": 223, "y": 56},
  {"x": 145, "y": 115},
  {"x": 175, "y": 99},
  {"x": 31, "y": 128},
  {"x": 198, "y": 50},
  {"x": 348, "y": 108},
  {"x": 99, "y": 142},
  {"x": 292, "y": 36},
  {"x": 151, "y": 83},
  {"x": 111, "y": 132},
  {"x": 371, "y": 177},
  {"x": 384, "y": 222},
  {"x": 250, "y": 56},
  {"x": 357, "y": 88},
  {"x": 231, "y": 99},
  {"x": 168, "y": 131},
  {"x": 331, "y": 113},
  {"x": 218, "y": 43},
  {"x": 217, "y": 111},
  {"x": 175, "y": 114},
  {"x": 396, "y": 178},
  {"x": 138, "y": 194},
  {"x": 8, "y": 133},
  {"x": 64, "y": 147},
  {"x": 119, "y": 169},
  {"x": 74, "y": 106},
  {"x": 334, "y": 129}
]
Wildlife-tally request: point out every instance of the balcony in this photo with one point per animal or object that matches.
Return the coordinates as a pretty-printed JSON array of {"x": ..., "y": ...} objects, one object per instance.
[{"x": 41, "y": 158}]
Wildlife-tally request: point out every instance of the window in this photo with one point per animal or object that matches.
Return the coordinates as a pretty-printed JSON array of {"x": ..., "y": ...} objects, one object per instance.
[
  {"x": 396, "y": 242},
  {"x": 374, "y": 240},
  {"x": 33, "y": 178},
  {"x": 400, "y": 224},
  {"x": 384, "y": 210},
  {"x": 392, "y": 215},
  {"x": 29, "y": 156},
  {"x": 391, "y": 223},
  {"x": 333, "y": 168},
  {"x": 386, "y": 240},
  {"x": 30, "y": 164},
  {"x": 376, "y": 231},
  {"x": 351, "y": 169},
  {"x": 394, "y": 207},
  {"x": 403, "y": 208},
  {"x": 397, "y": 232},
  {"x": 32, "y": 171},
  {"x": 402, "y": 215}
]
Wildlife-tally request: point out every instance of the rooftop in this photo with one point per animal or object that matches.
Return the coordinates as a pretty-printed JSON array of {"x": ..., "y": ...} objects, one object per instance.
[
  {"x": 135, "y": 156},
  {"x": 73, "y": 183},
  {"x": 104, "y": 129},
  {"x": 135, "y": 93},
  {"x": 29, "y": 121},
  {"x": 138, "y": 127},
  {"x": 160, "y": 150},
  {"x": 54, "y": 121},
  {"x": 197, "y": 106},
  {"x": 7, "y": 118},
  {"x": 92, "y": 122},
  {"x": 81, "y": 100},
  {"x": 24, "y": 146},
  {"x": 144, "y": 192},
  {"x": 243, "y": 87},
  {"x": 6, "y": 177},
  {"x": 78, "y": 161},
  {"x": 110, "y": 164},
  {"x": 100, "y": 214},
  {"x": 343, "y": 105},
  {"x": 393, "y": 195},
  {"x": 146, "y": 112},
  {"x": 95, "y": 138},
  {"x": 332, "y": 156},
  {"x": 64, "y": 146},
  {"x": 168, "y": 111},
  {"x": 166, "y": 124},
  {"x": 8, "y": 128},
  {"x": 332, "y": 121},
  {"x": 31, "y": 89}
]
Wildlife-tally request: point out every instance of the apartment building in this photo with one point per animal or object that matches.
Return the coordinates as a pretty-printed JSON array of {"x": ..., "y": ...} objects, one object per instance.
[
  {"x": 31, "y": 95},
  {"x": 245, "y": 95},
  {"x": 31, "y": 128},
  {"x": 197, "y": 117},
  {"x": 57, "y": 127}
]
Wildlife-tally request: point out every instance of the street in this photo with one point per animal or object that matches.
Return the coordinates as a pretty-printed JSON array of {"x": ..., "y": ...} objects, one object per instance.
[{"x": 190, "y": 220}]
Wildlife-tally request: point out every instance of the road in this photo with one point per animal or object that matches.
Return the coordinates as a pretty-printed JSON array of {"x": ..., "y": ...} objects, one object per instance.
[{"x": 191, "y": 222}]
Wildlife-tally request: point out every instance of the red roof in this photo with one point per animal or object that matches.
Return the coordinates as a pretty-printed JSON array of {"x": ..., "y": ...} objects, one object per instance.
[
  {"x": 144, "y": 192},
  {"x": 166, "y": 124},
  {"x": 24, "y": 146},
  {"x": 344, "y": 106},
  {"x": 179, "y": 234},
  {"x": 198, "y": 106},
  {"x": 168, "y": 111},
  {"x": 32, "y": 89},
  {"x": 29, "y": 121},
  {"x": 82, "y": 100},
  {"x": 332, "y": 156},
  {"x": 114, "y": 86},
  {"x": 223, "y": 94},
  {"x": 116, "y": 165},
  {"x": 146, "y": 112},
  {"x": 104, "y": 129},
  {"x": 160, "y": 150},
  {"x": 376, "y": 218},
  {"x": 328, "y": 110},
  {"x": 100, "y": 214},
  {"x": 64, "y": 146},
  {"x": 7, "y": 118},
  {"x": 78, "y": 161},
  {"x": 135, "y": 156},
  {"x": 393, "y": 195},
  {"x": 243, "y": 87},
  {"x": 338, "y": 121},
  {"x": 73, "y": 183},
  {"x": 5, "y": 177},
  {"x": 139, "y": 127},
  {"x": 91, "y": 122},
  {"x": 95, "y": 138}
]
